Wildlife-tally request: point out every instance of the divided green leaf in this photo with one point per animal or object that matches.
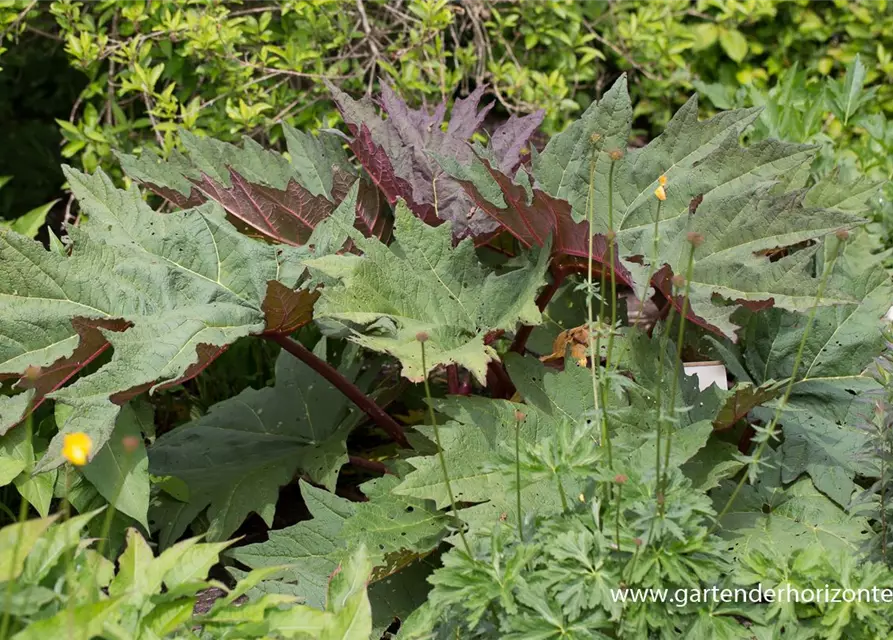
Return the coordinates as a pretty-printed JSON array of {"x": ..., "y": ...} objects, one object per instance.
[{"x": 421, "y": 284}]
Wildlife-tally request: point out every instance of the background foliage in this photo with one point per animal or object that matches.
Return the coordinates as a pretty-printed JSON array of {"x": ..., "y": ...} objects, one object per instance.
[{"x": 85, "y": 78}]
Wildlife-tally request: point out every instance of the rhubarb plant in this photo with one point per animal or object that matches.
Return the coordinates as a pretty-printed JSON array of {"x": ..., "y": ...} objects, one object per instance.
[{"x": 371, "y": 315}]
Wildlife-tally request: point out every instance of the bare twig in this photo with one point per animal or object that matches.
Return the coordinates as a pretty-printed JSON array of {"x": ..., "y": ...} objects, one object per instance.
[
  {"x": 110, "y": 90},
  {"x": 152, "y": 119},
  {"x": 45, "y": 34},
  {"x": 622, "y": 54},
  {"x": 75, "y": 107},
  {"x": 400, "y": 14},
  {"x": 21, "y": 16},
  {"x": 245, "y": 12},
  {"x": 287, "y": 111},
  {"x": 373, "y": 45},
  {"x": 480, "y": 40},
  {"x": 289, "y": 72},
  {"x": 69, "y": 218}
]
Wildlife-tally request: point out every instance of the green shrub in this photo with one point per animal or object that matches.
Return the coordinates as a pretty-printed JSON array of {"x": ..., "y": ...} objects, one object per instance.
[
  {"x": 55, "y": 585},
  {"x": 227, "y": 69}
]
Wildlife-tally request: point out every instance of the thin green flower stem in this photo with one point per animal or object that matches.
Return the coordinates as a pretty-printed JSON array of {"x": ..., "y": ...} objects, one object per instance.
[
  {"x": 107, "y": 524},
  {"x": 70, "y": 555},
  {"x": 605, "y": 431},
  {"x": 655, "y": 256},
  {"x": 655, "y": 253},
  {"x": 632, "y": 563},
  {"x": 440, "y": 456},
  {"x": 611, "y": 246},
  {"x": 9, "y": 513},
  {"x": 17, "y": 549},
  {"x": 758, "y": 454},
  {"x": 518, "y": 478},
  {"x": 689, "y": 271},
  {"x": 658, "y": 398},
  {"x": 105, "y": 536},
  {"x": 594, "y": 345},
  {"x": 617, "y": 517}
]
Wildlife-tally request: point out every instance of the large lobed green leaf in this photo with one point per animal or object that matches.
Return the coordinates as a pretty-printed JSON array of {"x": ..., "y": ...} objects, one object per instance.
[
  {"x": 397, "y": 529},
  {"x": 235, "y": 458},
  {"x": 733, "y": 196},
  {"x": 826, "y": 404},
  {"x": 166, "y": 292},
  {"x": 787, "y": 518},
  {"x": 421, "y": 283}
]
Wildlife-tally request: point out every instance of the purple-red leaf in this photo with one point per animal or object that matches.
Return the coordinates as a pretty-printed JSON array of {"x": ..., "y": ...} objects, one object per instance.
[
  {"x": 286, "y": 310},
  {"x": 534, "y": 216},
  {"x": 399, "y": 153},
  {"x": 263, "y": 193}
]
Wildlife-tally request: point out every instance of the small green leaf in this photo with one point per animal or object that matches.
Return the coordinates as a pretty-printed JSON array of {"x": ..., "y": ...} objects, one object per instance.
[
  {"x": 29, "y": 224},
  {"x": 133, "y": 568},
  {"x": 849, "y": 96},
  {"x": 78, "y": 622},
  {"x": 733, "y": 43},
  {"x": 16, "y": 542},
  {"x": 705, "y": 33},
  {"x": 53, "y": 544}
]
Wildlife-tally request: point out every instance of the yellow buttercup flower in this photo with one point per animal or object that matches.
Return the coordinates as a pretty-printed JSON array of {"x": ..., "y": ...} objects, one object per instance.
[
  {"x": 660, "y": 193},
  {"x": 76, "y": 448},
  {"x": 663, "y": 181}
]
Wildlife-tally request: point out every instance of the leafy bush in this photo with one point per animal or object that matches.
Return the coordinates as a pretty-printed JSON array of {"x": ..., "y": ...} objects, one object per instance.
[
  {"x": 517, "y": 488},
  {"x": 140, "y": 71},
  {"x": 55, "y": 585}
]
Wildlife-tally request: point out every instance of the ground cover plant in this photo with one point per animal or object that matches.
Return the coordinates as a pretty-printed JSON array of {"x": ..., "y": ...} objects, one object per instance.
[{"x": 430, "y": 383}]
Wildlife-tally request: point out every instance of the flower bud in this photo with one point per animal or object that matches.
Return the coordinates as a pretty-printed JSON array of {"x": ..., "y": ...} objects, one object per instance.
[
  {"x": 842, "y": 235},
  {"x": 519, "y": 416},
  {"x": 32, "y": 372},
  {"x": 662, "y": 180},
  {"x": 678, "y": 281},
  {"x": 594, "y": 138},
  {"x": 620, "y": 478},
  {"x": 661, "y": 193},
  {"x": 695, "y": 239},
  {"x": 615, "y": 155},
  {"x": 422, "y": 336},
  {"x": 130, "y": 443},
  {"x": 610, "y": 235}
]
